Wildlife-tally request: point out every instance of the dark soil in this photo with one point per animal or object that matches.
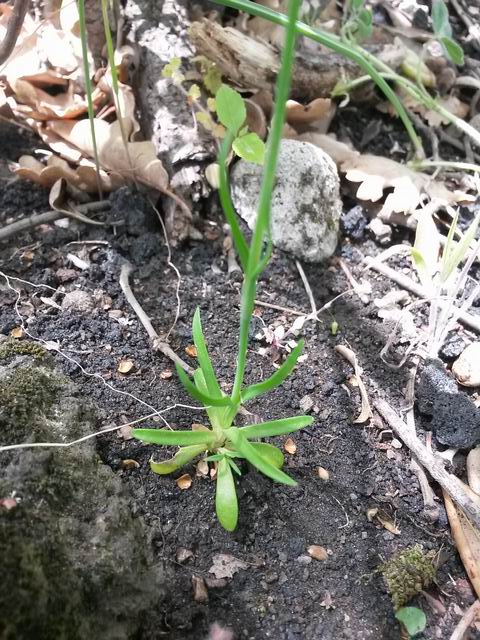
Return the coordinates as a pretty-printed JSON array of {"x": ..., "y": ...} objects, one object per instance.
[{"x": 282, "y": 593}]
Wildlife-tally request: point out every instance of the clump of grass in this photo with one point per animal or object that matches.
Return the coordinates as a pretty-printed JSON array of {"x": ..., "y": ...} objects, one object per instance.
[{"x": 223, "y": 442}]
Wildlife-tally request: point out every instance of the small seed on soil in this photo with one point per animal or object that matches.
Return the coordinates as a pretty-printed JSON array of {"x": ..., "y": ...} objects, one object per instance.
[
  {"x": 290, "y": 446},
  {"x": 184, "y": 482},
  {"x": 323, "y": 474},
  {"x": 191, "y": 350},
  {"x": 317, "y": 552},
  {"x": 130, "y": 464},
  {"x": 125, "y": 366},
  {"x": 202, "y": 468},
  {"x": 166, "y": 374},
  {"x": 200, "y": 592}
]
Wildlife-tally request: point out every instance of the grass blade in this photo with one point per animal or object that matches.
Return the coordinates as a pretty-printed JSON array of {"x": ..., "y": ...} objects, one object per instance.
[
  {"x": 184, "y": 455},
  {"x": 203, "y": 357},
  {"x": 216, "y": 415},
  {"x": 239, "y": 241},
  {"x": 89, "y": 89},
  {"x": 249, "y": 452},
  {"x": 459, "y": 250},
  {"x": 199, "y": 395},
  {"x": 276, "y": 427},
  {"x": 174, "y": 438},
  {"x": 276, "y": 378},
  {"x": 270, "y": 453},
  {"x": 226, "y": 503}
]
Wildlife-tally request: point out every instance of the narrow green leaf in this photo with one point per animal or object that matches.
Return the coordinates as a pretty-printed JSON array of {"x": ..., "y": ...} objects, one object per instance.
[
  {"x": 183, "y": 455},
  {"x": 244, "y": 447},
  {"x": 250, "y": 147},
  {"x": 226, "y": 503},
  {"x": 270, "y": 453},
  {"x": 276, "y": 427},
  {"x": 452, "y": 50},
  {"x": 199, "y": 395},
  {"x": 241, "y": 245},
  {"x": 356, "y": 4},
  {"x": 216, "y": 415},
  {"x": 459, "y": 250},
  {"x": 426, "y": 248},
  {"x": 231, "y": 110},
  {"x": 276, "y": 378},
  {"x": 440, "y": 22},
  {"x": 174, "y": 438},
  {"x": 449, "y": 245},
  {"x": 203, "y": 357},
  {"x": 233, "y": 466},
  {"x": 413, "y": 619}
]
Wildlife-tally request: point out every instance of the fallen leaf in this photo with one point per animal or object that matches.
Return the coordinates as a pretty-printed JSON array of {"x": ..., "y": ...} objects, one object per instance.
[
  {"x": 184, "y": 482},
  {"x": 327, "y": 601},
  {"x": 125, "y": 366},
  {"x": 290, "y": 446},
  {"x": 202, "y": 469},
  {"x": 299, "y": 114},
  {"x": 191, "y": 350},
  {"x": 17, "y": 333},
  {"x": 166, "y": 374},
  {"x": 183, "y": 554},
  {"x": 317, "y": 552},
  {"x": 226, "y": 566}
]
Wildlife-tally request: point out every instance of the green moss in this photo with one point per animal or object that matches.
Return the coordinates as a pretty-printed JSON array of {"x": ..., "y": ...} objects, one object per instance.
[
  {"x": 11, "y": 347},
  {"x": 25, "y": 394},
  {"x": 407, "y": 573}
]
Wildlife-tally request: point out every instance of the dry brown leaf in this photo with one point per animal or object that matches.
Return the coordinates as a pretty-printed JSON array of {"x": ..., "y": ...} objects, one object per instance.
[
  {"x": 202, "y": 469},
  {"x": 17, "y": 333},
  {"x": 200, "y": 592},
  {"x": 366, "y": 410},
  {"x": 317, "y": 552},
  {"x": 387, "y": 523},
  {"x": 226, "y": 566},
  {"x": 166, "y": 374},
  {"x": 318, "y": 109},
  {"x": 467, "y": 541},
  {"x": 191, "y": 350},
  {"x": 184, "y": 482},
  {"x": 290, "y": 446},
  {"x": 125, "y": 366}
]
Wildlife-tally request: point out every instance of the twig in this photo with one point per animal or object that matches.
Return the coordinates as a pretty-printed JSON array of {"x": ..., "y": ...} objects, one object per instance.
[
  {"x": 50, "y": 216},
  {"x": 406, "y": 283},
  {"x": 308, "y": 289},
  {"x": 460, "y": 493},
  {"x": 468, "y": 617},
  {"x": 158, "y": 344},
  {"x": 14, "y": 26}
]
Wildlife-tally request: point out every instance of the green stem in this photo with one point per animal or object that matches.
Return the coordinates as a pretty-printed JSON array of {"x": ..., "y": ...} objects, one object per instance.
[
  {"x": 355, "y": 53},
  {"x": 89, "y": 89},
  {"x": 262, "y": 225}
]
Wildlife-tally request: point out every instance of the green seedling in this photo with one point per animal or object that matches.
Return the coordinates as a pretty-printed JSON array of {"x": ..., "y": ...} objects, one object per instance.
[
  {"x": 413, "y": 619},
  {"x": 226, "y": 103},
  {"x": 222, "y": 442},
  {"x": 358, "y": 23},
  {"x": 442, "y": 275},
  {"x": 443, "y": 32}
]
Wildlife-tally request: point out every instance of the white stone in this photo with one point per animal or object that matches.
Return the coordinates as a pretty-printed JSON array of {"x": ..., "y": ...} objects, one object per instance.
[{"x": 306, "y": 205}]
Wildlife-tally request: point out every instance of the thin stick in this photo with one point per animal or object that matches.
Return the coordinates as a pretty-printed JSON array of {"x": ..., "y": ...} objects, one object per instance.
[
  {"x": 468, "y": 617},
  {"x": 158, "y": 344},
  {"x": 14, "y": 27},
  {"x": 406, "y": 283},
  {"x": 460, "y": 493},
  {"x": 308, "y": 288},
  {"x": 50, "y": 216}
]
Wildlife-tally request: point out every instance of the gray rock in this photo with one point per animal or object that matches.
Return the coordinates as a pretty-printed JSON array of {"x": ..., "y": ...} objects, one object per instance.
[
  {"x": 455, "y": 419},
  {"x": 306, "y": 206},
  {"x": 75, "y": 561}
]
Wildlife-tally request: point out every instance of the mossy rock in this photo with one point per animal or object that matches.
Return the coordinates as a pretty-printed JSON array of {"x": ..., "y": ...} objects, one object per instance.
[
  {"x": 11, "y": 347},
  {"x": 407, "y": 573},
  {"x": 76, "y": 564}
]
